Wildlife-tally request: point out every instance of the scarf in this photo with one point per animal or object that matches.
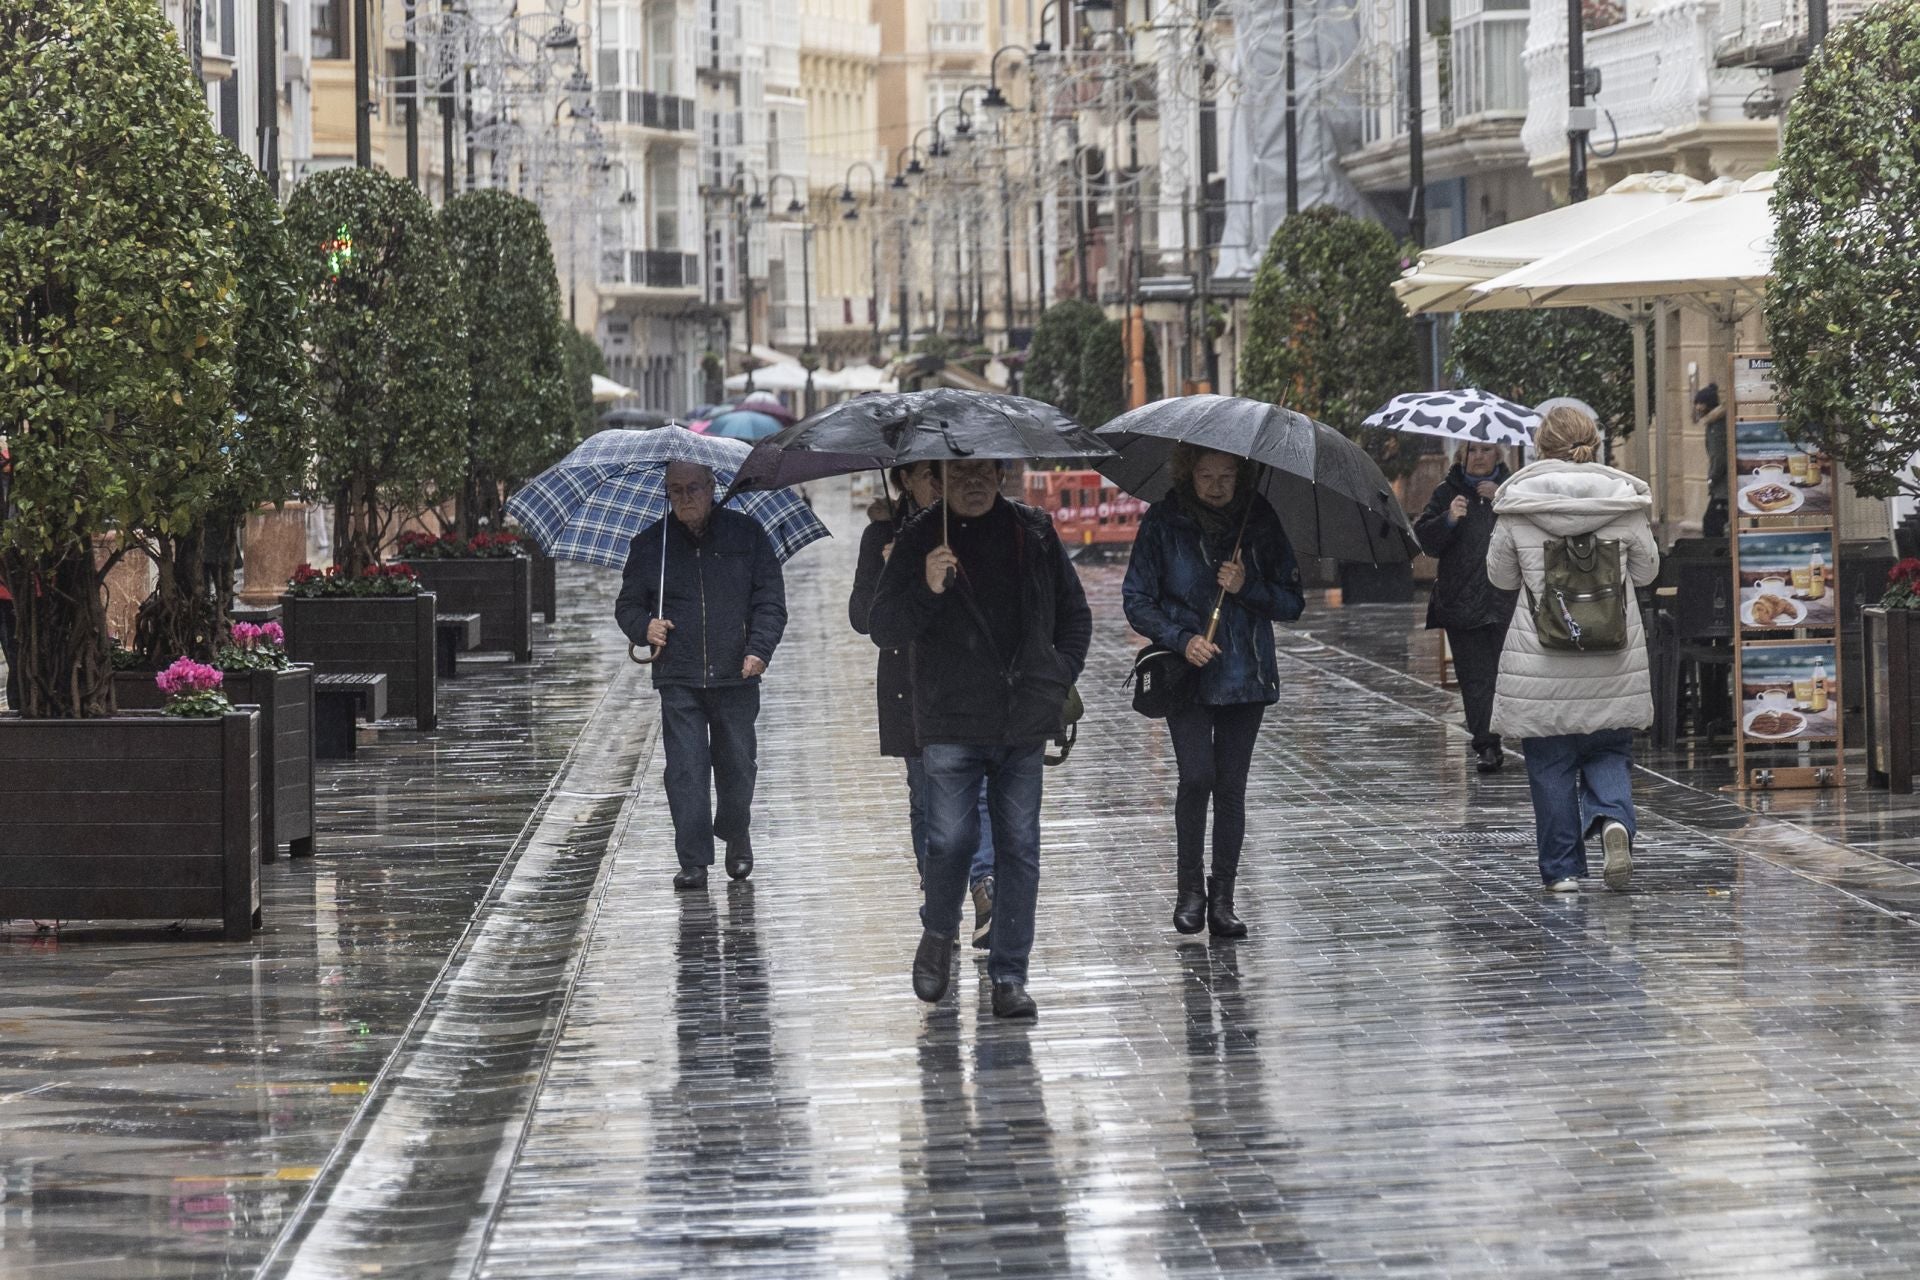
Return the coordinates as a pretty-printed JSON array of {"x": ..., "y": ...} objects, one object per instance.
[{"x": 1219, "y": 526}]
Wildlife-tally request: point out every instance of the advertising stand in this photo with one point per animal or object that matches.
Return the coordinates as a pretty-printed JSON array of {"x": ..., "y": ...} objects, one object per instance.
[{"x": 1786, "y": 652}]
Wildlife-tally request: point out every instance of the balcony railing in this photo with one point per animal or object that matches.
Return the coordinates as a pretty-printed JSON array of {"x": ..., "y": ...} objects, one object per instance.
[
  {"x": 647, "y": 109},
  {"x": 1471, "y": 75},
  {"x": 650, "y": 268},
  {"x": 957, "y": 37},
  {"x": 1770, "y": 33}
]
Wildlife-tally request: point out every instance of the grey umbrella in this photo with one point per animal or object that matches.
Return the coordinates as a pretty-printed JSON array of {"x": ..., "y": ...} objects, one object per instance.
[{"x": 1331, "y": 497}]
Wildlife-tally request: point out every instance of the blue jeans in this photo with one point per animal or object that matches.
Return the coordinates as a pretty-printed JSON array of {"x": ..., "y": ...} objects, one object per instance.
[
  {"x": 1576, "y": 780},
  {"x": 709, "y": 742},
  {"x": 917, "y": 818},
  {"x": 953, "y": 776}
]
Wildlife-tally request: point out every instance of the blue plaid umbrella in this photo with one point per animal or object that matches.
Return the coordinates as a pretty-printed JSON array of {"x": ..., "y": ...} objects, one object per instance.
[{"x": 590, "y": 504}]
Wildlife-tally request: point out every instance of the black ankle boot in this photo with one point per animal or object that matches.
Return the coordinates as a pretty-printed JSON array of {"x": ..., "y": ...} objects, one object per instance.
[
  {"x": 1221, "y": 922},
  {"x": 1190, "y": 904}
]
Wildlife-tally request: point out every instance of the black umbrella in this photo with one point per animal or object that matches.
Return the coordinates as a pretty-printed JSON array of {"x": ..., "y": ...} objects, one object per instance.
[
  {"x": 1332, "y": 499},
  {"x": 945, "y": 425},
  {"x": 633, "y": 419}
]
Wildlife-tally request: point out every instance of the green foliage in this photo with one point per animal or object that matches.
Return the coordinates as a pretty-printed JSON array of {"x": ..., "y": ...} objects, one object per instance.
[
  {"x": 389, "y": 350},
  {"x": 1325, "y": 335},
  {"x": 1053, "y": 359},
  {"x": 1530, "y": 356},
  {"x": 1843, "y": 305},
  {"x": 117, "y": 317},
  {"x": 583, "y": 361},
  {"x": 519, "y": 408},
  {"x": 1101, "y": 382}
]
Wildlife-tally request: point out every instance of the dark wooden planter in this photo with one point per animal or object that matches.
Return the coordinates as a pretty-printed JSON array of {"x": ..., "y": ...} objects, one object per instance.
[
  {"x": 546, "y": 584},
  {"x": 285, "y": 699},
  {"x": 499, "y": 589},
  {"x": 1891, "y": 650},
  {"x": 385, "y": 635},
  {"x": 132, "y": 817}
]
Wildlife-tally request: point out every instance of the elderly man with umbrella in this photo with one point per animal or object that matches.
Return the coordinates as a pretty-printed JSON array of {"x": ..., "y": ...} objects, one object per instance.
[
  {"x": 981, "y": 594},
  {"x": 703, "y": 590}
]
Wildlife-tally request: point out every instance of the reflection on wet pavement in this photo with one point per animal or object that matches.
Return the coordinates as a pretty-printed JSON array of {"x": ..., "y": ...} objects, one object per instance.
[{"x": 1417, "y": 1065}]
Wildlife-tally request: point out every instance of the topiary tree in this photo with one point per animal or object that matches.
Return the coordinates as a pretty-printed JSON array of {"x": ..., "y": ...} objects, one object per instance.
[
  {"x": 268, "y": 442},
  {"x": 519, "y": 406},
  {"x": 1843, "y": 304},
  {"x": 1053, "y": 358},
  {"x": 1325, "y": 335},
  {"x": 1530, "y": 356},
  {"x": 1100, "y": 383},
  {"x": 584, "y": 359},
  {"x": 388, "y": 343},
  {"x": 117, "y": 318}
]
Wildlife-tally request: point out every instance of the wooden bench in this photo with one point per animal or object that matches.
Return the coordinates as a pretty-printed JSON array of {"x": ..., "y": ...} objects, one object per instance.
[
  {"x": 453, "y": 634},
  {"x": 337, "y": 700}
]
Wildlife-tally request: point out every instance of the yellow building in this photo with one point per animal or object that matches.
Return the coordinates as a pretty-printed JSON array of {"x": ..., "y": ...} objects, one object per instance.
[{"x": 839, "y": 73}]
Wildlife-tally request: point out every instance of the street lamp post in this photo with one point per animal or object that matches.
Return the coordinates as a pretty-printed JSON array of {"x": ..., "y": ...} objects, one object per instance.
[
  {"x": 873, "y": 243},
  {"x": 755, "y": 202}
]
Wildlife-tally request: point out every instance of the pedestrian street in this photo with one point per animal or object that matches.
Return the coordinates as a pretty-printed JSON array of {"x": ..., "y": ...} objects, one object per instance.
[{"x": 1416, "y": 1065}]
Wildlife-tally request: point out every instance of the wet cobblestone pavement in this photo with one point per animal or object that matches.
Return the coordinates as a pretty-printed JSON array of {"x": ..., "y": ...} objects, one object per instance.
[{"x": 1417, "y": 1065}]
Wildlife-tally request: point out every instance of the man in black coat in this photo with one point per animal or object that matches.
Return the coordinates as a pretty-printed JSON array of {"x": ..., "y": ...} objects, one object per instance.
[
  {"x": 996, "y": 627},
  {"x": 712, "y": 636},
  {"x": 1455, "y": 530}
]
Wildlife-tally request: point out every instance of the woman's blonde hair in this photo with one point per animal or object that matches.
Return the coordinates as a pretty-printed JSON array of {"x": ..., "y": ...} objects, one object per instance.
[{"x": 1568, "y": 435}]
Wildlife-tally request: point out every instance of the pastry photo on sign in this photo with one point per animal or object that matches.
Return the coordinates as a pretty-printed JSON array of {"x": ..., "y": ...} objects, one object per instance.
[
  {"x": 1773, "y": 476},
  {"x": 1789, "y": 692},
  {"x": 1786, "y": 579}
]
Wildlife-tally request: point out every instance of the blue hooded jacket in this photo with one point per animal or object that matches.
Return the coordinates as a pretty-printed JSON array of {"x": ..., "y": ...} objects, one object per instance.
[{"x": 1171, "y": 585}]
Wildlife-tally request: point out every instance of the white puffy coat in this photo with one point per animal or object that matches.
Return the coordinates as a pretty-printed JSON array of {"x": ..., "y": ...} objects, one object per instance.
[{"x": 1547, "y": 692}]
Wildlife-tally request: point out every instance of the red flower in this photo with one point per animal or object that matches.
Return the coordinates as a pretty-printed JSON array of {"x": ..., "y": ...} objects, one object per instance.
[{"x": 1905, "y": 571}]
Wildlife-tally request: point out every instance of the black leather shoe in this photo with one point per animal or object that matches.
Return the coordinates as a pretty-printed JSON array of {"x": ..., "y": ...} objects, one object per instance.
[
  {"x": 1189, "y": 909},
  {"x": 740, "y": 858},
  {"x": 690, "y": 878},
  {"x": 1010, "y": 1000},
  {"x": 1492, "y": 760},
  {"x": 933, "y": 967},
  {"x": 1221, "y": 921}
]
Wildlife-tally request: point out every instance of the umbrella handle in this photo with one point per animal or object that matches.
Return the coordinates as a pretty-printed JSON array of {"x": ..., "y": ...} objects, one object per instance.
[
  {"x": 652, "y": 657},
  {"x": 1219, "y": 601}
]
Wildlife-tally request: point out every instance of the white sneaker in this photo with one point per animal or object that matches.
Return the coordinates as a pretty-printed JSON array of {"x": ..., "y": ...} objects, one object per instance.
[
  {"x": 1566, "y": 885},
  {"x": 1618, "y": 845}
]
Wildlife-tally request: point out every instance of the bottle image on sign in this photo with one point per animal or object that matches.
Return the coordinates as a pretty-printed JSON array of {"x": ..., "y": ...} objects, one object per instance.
[
  {"x": 1818, "y": 702},
  {"x": 1817, "y": 577}
]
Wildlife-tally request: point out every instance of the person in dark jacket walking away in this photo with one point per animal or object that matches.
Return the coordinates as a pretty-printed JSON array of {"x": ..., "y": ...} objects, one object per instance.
[
  {"x": 919, "y": 489},
  {"x": 982, "y": 596},
  {"x": 1455, "y": 530},
  {"x": 713, "y": 635},
  {"x": 1213, "y": 532}
]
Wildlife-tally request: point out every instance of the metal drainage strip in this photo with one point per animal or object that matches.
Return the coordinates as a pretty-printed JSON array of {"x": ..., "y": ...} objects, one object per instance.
[
  {"x": 1491, "y": 837},
  {"x": 414, "y": 1183}
]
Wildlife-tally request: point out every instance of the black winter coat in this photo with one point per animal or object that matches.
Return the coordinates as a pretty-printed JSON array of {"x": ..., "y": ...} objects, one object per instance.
[
  {"x": 893, "y": 683},
  {"x": 963, "y": 690},
  {"x": 1462, "y": 597},
  {"x": 726, "y": 598}
]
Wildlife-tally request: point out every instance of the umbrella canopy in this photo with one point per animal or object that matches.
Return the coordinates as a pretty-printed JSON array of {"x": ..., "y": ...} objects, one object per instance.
[
  {"x": 606, "y": 390},
  {"x": 785, "y": 376},
  {"x": 768, "y": 403},
  {"x": 745, "y": 424},
  {"x": 633, "y": 419},
  {"x": 1443, "y": 279},
  {"x": 1466, "y": 414},
  {"x": 860, "y": 378},
  {"x": 1331, "y": 497},
  {"x": 880, "y": 431},
  {"x": 1714, "y": 248},
  {"x": 590, "y": 504}
]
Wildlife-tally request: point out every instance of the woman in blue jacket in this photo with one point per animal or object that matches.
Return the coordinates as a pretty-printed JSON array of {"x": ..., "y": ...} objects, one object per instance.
[{"x": 1183, "y": 557}]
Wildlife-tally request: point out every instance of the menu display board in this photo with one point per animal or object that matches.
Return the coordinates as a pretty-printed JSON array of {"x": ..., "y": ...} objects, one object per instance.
[
  {"x": 1788, "y": 692},
  {"x": 1773, "y": 476},
  {"x": 1786, "y": 655},
  {"x": 1786, "y": 579}
]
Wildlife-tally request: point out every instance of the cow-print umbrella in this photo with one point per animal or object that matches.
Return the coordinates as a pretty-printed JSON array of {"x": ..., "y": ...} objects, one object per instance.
[{"x": 1466, "y": 415}]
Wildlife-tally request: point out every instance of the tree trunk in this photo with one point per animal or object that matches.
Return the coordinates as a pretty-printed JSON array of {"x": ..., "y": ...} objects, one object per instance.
[
  {"x": 65, "y": 673},
  {"x": 186, "y": 613}
]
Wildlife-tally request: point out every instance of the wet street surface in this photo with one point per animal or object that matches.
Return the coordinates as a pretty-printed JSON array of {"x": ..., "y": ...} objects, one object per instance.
[{"x": 482, "y": 1035}]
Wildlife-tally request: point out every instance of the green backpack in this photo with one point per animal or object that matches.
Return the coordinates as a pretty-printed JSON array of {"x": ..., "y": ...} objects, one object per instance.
[{"x": 1582, "y": 606}]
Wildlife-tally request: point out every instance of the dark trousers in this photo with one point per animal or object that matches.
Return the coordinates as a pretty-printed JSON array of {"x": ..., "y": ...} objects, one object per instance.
[
  {"x": 9, "y": 648},
  {"x": 1576, "y": 780},
  {"x": 1476, "y": 664},
  {"x": 1214, "y": 747},
  {"x": 1013, "y": 777},
  {"x": 708, "y": 736}
]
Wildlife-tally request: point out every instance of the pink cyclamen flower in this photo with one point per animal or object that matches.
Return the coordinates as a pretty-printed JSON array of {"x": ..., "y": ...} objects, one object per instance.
[
  {"x": 274, "y": 634},
  {"x": 186, "y": 676},
  {"x": 245, "y": 634}
]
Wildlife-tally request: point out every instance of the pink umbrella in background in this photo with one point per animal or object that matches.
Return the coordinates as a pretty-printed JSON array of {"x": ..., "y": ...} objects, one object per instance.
[{"x": 768, "y": 403}]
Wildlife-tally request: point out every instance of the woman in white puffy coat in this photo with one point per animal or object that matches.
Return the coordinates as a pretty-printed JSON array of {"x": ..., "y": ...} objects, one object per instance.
[{"x": 1573, "y": 713}]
